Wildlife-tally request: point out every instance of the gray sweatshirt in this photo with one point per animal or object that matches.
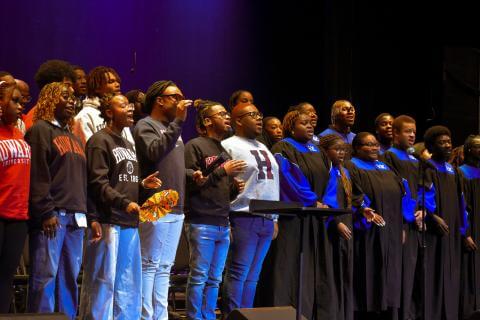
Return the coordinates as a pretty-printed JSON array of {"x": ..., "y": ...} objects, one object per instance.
[{"x": 160, "y": 148}]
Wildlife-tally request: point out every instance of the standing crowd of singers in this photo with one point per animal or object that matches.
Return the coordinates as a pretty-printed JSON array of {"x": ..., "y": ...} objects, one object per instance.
[{"x": 86, "y": 157}]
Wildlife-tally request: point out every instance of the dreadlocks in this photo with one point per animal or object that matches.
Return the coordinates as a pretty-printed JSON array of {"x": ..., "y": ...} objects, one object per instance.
[
  {"x": 47, "y": 102},
  {"x": 97, "y": 78},
  {"x": 326, "y": 142},
  {"x": 155, "y": 90},
  {"x": 203, "y": 106}
]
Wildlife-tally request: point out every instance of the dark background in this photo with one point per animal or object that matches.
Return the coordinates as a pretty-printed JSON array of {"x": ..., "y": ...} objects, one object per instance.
[{"x": 392, "y": 57}]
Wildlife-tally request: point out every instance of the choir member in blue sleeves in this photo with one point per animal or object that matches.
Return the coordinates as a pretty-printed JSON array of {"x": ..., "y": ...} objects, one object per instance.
[
  {"x": 470, "y": 173},
  {"x": 304, "y": 173},
  {"x": 406, "y": 166},
  {"x": 378, "y": 195},
  {"x": 339, "y": 195},
  {"x": 446, "y": 223}
]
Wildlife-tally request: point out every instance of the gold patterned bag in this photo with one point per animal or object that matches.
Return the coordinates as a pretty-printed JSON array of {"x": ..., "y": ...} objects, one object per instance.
[{"x": 158, "y": 205}]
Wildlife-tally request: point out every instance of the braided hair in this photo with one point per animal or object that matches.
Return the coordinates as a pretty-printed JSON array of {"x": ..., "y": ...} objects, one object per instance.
[
  {"x": 155, "y": 90},
  {"x": 97, "y": 78},
  {"x": 326, "y": 142},
  {"x": 203, "y": 106}
]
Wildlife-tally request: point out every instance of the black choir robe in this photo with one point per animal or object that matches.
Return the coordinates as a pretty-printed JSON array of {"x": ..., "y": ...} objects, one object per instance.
[
  {"x": 309, "y": 165},
  {"x": 470, "y": 286},
  {"x": 406, "y": 167},
  {"x": 377, "y": 250},
  {"x": 443, "y": 253},
  {"x": 342, "y": 249}
]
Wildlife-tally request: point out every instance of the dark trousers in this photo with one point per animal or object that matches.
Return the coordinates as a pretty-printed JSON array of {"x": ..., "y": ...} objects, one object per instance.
[{"x": 12, "y": 240}]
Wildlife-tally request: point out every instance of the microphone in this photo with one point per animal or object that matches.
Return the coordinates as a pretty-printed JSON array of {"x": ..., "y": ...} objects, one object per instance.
[
  {"x": 411, "y": 151},
  {"x": 221, "y": 158}
]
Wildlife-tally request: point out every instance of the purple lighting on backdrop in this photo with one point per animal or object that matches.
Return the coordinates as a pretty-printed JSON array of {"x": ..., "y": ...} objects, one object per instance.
[{"x": 204, "y": 46}]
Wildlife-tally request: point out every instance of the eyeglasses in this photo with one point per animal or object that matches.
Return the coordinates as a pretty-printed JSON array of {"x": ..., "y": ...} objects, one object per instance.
[
  {"x": 253, "y": 114},
  {"x": 222, "y": 114},
  {"x": 176, "y": 96},
  {"x": 371, "y": 144}
]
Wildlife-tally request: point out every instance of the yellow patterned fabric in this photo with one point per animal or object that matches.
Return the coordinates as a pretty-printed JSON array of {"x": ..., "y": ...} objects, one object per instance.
[{"x": 158, "y": 205}]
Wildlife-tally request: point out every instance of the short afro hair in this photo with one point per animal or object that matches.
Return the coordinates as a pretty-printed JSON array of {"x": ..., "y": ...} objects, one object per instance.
[
  {"x": 54, "y": 71},
  {"x": 432, "y": 134}
]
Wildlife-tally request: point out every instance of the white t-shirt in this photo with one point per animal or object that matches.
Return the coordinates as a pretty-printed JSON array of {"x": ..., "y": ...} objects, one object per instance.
[
  {"x": 90, "y": 120},
  {"x": 261, "y": 175}
]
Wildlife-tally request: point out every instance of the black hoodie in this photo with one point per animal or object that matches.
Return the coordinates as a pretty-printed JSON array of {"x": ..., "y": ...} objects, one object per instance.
[
  {"x": 113, "y": 179},
  {"x": 58, "y": 173}
]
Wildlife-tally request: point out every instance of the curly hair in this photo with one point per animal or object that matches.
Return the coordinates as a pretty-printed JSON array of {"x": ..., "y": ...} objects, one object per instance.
[
  {"x": 47, "y": 102},
  {"x": 54, "y": 71},
  {"x": 432, "y": 134},
  {"x": 288, "y": 122}
]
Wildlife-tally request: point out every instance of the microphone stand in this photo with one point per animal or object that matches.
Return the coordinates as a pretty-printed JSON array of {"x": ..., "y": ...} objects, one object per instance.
[{"x": 423, "y": 245}]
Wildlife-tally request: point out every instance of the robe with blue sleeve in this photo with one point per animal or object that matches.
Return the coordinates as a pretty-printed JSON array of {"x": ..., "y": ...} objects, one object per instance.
[
  {"x": 443, "y": 252},
  {"x": 470, "y": 286},
  {"x": 377, "y": 250},
  {"x": 406, "y": 167},
  {"x": 342, "y": 249},
  {"x": 304, "y": 173}
]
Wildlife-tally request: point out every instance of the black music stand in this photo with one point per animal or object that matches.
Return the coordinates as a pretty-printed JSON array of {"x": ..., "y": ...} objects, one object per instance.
[{"x": 295, "y": 209}]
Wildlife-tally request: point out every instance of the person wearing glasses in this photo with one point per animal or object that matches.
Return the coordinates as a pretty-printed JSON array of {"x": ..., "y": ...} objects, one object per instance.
[
  {"x": 101, "y": 81},
  {"x": 251, "y": 234},
  {"x": 58, "y": 203},
  {"x": 112, "y": 273},
  {"x": 379, "y": 198},
  {"x": 207, "y": 207},
  {"x": 160, "y": 148},
  {"x": 15, "y": 157}
]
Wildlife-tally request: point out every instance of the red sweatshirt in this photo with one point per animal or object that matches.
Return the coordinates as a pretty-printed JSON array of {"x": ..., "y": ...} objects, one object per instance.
[{"x": 15, "y": 158}]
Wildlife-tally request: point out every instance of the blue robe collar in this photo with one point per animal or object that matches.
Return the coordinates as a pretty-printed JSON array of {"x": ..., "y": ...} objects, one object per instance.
[
  {"x": 370, "y": 165},
  {"x": 302, "y": 147},
  {"x": 443, "y": 167},
  {"x": 402, "y": 154},
  {"x": 470, "y": 172}
]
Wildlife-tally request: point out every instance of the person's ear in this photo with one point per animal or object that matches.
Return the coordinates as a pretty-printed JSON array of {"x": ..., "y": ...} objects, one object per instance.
[
  {"x": 109, "y": 114},
  {"x": 207, "y": 122}
]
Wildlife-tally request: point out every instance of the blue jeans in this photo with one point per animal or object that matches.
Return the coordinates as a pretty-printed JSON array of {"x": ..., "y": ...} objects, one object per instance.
[
  {"x": 55, "y": 264},
  {"x": 159, "y": 241},
  {"x": 112, "y": 275},
  {"x": 251, "y": 238},
  {"x": 208, "y": 251}
]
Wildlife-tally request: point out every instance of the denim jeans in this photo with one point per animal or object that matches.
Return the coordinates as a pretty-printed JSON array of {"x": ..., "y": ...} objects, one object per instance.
[
  {"x": 251, "y": 238},
  {"x": 54, "y": 267},
  {"x": 159, "y": 241},
  {"x": 208, "y": 251},
  {"x": 112, "y": 275}
]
